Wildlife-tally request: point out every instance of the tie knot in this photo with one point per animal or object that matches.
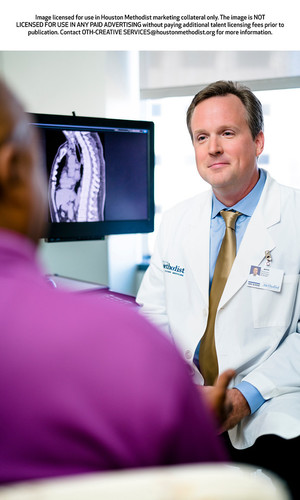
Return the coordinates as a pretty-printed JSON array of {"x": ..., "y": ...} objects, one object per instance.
[{"x": 230, "y": 217}]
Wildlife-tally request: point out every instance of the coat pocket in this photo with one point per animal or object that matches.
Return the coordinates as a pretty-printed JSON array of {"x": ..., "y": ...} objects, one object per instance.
[{"x": 270, "y": 308}]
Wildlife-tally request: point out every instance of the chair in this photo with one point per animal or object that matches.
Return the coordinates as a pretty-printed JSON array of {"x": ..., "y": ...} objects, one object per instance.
[{"x": 188, "y": 482}]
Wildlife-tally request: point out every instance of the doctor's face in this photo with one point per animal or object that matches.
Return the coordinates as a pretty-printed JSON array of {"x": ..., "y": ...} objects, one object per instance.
[{"x": 224, "y": 147}]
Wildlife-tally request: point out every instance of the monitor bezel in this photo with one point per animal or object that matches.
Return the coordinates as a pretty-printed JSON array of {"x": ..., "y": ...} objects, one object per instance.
[{"x": 83, "y": 231}]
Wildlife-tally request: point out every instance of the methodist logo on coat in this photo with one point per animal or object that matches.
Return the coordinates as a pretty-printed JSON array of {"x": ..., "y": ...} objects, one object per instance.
[{"x": 168, "y": 268}]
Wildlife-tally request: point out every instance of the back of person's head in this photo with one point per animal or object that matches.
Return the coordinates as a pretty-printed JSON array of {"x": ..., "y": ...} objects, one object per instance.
[
  {"x": 10, "y": 111},
  {"x": 222, "y": 88},
  {"x": 23, "y": 194}
]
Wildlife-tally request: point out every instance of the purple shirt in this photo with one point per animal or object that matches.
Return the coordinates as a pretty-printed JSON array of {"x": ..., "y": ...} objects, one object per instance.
[{"x": 86, "y": 384}]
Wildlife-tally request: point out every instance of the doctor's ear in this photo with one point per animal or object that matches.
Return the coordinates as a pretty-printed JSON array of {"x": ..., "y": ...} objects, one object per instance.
[{"x": 259, "y": 143}]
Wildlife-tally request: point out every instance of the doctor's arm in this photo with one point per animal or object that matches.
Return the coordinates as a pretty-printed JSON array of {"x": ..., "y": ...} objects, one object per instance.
[
  {"x": 151, "y": 294},
  {"x": 279, "y": 374}
]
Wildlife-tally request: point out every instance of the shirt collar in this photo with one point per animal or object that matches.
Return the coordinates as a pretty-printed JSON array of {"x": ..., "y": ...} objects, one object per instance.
[{"x": 246, "y": 205}]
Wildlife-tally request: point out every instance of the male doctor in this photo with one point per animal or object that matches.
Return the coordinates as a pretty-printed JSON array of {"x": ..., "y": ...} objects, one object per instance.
[{"x": 253, "y": 324}]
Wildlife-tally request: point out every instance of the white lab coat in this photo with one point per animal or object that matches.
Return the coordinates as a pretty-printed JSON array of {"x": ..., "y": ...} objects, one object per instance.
[{"x": 256, "y": 331}]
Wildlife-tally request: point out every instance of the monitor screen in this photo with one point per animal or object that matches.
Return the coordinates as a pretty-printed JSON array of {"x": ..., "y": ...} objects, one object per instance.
[{"x": 100, "y": 176}]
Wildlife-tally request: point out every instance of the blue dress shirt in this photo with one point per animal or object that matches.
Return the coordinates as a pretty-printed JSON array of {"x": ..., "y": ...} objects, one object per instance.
[{"x": 246, "y": 207}]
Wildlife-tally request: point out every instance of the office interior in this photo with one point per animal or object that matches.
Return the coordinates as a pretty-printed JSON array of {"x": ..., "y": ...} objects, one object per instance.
[{"x": 117, "y": 84}]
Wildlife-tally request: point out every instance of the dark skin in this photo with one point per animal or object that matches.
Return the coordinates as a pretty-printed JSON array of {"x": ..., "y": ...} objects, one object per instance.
[
  {"x": 23, "y": 201},
  {"x": 228, "y": 404},
  {"x": 23, "y": 191},
  {"x": 217, "y": 398}
]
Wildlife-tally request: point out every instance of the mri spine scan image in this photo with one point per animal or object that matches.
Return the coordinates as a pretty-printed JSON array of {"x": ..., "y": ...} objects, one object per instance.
[{"x": 77, "y": 179}]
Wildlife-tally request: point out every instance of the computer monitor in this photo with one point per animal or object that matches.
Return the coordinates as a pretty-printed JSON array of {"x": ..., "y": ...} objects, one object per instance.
[{"x": 100, "y": 176}]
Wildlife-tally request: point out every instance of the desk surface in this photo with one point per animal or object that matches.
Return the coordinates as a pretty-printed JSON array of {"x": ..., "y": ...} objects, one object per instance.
[{"x": 74, "y": 285}]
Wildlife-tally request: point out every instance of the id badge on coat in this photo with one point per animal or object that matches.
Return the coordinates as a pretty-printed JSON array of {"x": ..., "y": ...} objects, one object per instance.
[{"x": 266, "y": 278}]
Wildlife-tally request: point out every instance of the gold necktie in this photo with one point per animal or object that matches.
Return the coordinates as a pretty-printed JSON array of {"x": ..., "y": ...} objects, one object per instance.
[{"x": 208, "y": 361}]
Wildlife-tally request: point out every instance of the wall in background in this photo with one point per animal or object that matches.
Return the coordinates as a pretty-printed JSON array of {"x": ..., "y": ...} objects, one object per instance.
[
  {"x": 166, "y": 73},
  {"x": 91, "y": 84},
  {"x": 110, "y": 84}
]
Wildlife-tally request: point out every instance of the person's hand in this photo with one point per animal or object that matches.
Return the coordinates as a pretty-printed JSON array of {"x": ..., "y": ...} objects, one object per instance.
[
  {"x": 216, "y": 396},
  {"x": 239, "y": 409}
]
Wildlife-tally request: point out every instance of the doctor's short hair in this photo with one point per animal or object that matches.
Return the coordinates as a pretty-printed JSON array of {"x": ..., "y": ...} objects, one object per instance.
[{"x": 253, "y": 106}]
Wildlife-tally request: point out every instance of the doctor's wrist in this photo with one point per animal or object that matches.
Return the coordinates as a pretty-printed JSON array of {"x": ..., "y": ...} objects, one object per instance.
[{"x": 251, "y": 394}]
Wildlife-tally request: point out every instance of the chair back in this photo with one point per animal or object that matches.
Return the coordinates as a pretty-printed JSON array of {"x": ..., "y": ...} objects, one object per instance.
[{"x": 195, "y": 482}]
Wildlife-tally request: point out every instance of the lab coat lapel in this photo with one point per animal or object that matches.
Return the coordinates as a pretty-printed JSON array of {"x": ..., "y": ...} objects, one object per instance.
[
  {"x": 197, "y": 245},
  {"x": 256, "y": 241}
]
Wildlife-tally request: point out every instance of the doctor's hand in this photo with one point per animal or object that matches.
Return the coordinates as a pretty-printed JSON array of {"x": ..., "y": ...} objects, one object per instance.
[
  {"x": 239, "y": 409},
  {"x": 216, "y": 396}
]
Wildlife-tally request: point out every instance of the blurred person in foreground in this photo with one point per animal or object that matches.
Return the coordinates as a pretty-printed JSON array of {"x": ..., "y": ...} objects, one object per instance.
[{"x": 85, "y": 384}]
